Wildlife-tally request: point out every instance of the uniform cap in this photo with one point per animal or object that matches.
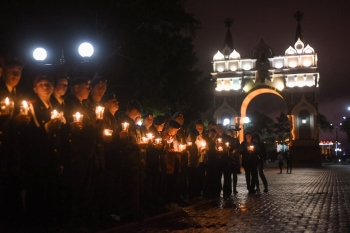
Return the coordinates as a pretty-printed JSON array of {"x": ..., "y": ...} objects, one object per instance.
[
  {"x": 80, "y": 80},
  {"x": 177, "y": 114},
  {"x": 158, "y": 120},
  {"x": 134, "y": 104},
  {"x": 147, "y": 114},
  {"x": 107, "y": 97},
  {"x": 97, "y": 80},
  {"x": 174, "y": 124}
]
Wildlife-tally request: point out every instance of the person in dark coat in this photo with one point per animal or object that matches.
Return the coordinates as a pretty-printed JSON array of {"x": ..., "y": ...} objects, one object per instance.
[
  {"x": 44, "y": 163},
  {"x": 250, "y": 152},
  {"x": 131, "y": 161},
  {"x": 112, "y": 182},
  {"x": 289, "y": 160},
  {"x": 11, "y": 202},
  {"x": 82, "y": 152},
  {"x": 261, "y": 161}
]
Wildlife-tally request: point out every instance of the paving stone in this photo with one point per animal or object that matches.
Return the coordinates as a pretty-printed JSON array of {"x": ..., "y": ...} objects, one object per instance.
[{"x": 309, "y": 200}]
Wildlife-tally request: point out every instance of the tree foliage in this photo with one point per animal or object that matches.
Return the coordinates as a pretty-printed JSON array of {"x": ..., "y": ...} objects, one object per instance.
[
  {"x": 144, "y": 47},
  {"x": 323, "y": 124}
]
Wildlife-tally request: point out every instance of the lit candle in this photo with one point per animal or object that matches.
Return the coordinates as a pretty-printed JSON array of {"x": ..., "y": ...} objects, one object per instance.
[
  {"x": 189, "y": 143},
  {"x": 182, "y": 147},
  {"x": 107, "y": 132},
  {"x": 227, "y": 144},
  {"x": 219, "y": 140},
  {"x": 158, "y": 140},
  {"x": 251, "y": 148},
  {"x": 144, "y": 139},
  {"x": 23, "y": 109},
  {"x": 6, "y": 106},
  {"x": 99, "y": 112},
  {"x": 54, "y": 114},
  {"x": 149, "y": 136},
  {"x": 125, "y": 126},
  {"x": 220, "y": 148},
  {"x": 203, "y": 144},
  {"x": 77, "y": 117}
]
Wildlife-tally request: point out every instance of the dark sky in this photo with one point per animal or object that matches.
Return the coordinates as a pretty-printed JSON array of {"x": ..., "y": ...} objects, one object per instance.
[{"x": 325, "y": 27}]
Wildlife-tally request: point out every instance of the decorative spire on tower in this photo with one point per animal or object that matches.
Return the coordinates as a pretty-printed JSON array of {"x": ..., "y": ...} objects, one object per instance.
[
  {"x": 228, "y": 46},
  {"x": 299, "y": 34}
]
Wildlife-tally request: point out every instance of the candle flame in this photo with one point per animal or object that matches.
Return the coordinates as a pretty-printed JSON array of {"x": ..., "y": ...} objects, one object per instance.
[
  {"x": 7, "y": 101},
  {"x": 25, "y": 104}
]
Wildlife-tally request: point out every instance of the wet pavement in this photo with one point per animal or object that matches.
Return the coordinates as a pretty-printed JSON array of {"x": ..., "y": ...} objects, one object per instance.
[{"x": 309, "y": 200}]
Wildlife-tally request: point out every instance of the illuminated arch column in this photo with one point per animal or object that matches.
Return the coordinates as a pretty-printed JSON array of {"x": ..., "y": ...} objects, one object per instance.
[{"x": 246, "y": 102}]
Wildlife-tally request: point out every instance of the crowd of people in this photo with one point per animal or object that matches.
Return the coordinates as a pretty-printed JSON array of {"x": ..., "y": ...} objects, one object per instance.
[{"x": 74, "y": 159}]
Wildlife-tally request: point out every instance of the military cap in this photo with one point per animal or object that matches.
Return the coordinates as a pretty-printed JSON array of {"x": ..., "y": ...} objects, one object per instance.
[
  {"x": 97, "y": 80},
  {"x": 158, "y": 120},
  {"x": 80, "y": 80},
  {"x": 14, "y": 61},
  {"x": 134, "y": 104},
  {"x": 177, "y": 114},
  {"x": 147, "y": 114},
  {"x": 41, "y": 77},
  {"x": 174, "y": 124},
  {"x": 248, "y": 133},
  {"x": 107, "y": 97}
]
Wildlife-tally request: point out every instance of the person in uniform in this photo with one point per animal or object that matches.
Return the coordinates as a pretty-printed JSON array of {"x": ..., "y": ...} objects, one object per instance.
[
  {"x": 82, "y": 151},
  {"x": 43, "y": 162},
  {"x": 112, "y": 179},
  {"x": 131, "y": 161},
  {"x": 11, "y": 202},
  {"x": 173, "y": 164},
  {"x": 182, "y": 136}
]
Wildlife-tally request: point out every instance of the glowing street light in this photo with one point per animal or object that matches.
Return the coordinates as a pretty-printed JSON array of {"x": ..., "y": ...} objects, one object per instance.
[
  {"x": 226, "y": 121},
  {"x": 246, "y": 120},
  {"x": 39, "y": 54},
  {"x": 86, "y": 49}
]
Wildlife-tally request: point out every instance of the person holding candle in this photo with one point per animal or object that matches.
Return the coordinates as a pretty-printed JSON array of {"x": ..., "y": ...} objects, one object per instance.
[
  {"x": 226, "y": 170},
  {"x": 44, "y": 158},
  {"x": 10, "y": 159},
  {"x": 82, "y": 152},
  {"x": 131, "y": 161},
  {"x": 250, "y": 151},
  {"x": 173, "y": 163},
  {"x": 112, "y": 182},
  {"x": 197, "y": 162},
  {"x": 182, "y": 135},
  {"x": 151, "y": 184}
]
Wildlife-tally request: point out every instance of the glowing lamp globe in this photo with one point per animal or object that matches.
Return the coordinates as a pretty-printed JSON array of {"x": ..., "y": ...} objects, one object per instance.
[
  {"x": 226, "y": 121},
  {"x": 246, "y": 120},
  {"x": 86, "y": 49},
  {"x": 39, "y": 54}
]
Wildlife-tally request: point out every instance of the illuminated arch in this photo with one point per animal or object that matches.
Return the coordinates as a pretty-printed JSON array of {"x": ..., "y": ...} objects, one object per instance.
[{"x": 246, "y": 102}]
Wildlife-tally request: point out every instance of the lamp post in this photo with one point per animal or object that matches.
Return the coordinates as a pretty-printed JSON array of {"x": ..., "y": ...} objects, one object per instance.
[{"x": 246, "y": 121}]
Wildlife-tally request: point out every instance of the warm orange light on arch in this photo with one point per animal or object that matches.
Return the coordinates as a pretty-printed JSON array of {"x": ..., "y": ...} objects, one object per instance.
[{"x": 246, "y": 102}]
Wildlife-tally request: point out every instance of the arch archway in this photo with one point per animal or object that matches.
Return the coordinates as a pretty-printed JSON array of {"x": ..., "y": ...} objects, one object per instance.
[{"x": 246, "y": 102}]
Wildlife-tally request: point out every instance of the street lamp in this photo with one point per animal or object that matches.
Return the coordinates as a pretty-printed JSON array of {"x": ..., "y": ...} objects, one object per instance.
[
  {"x": 226, "y": 122},
  {"x": 39, "y": 54},
  {"x": 86, "y": 50}
]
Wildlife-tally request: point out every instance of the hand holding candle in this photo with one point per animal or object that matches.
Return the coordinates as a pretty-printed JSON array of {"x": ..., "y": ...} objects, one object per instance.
[
  {"x": 24, "y": 108},
  {"x": 125, "y": 126},
  {"x": 6, "y": 106},
  {"x": 78, "y": 117},
  {"x": 107, "y": 135},
  {"x": 99, "y": 112}
]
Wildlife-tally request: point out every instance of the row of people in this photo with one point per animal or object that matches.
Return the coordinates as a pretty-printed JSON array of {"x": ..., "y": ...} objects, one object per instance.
[{"x": 78, "y": 160}]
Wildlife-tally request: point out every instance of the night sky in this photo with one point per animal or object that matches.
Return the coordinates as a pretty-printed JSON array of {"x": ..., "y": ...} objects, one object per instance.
[{"x": 325, "y": 27}]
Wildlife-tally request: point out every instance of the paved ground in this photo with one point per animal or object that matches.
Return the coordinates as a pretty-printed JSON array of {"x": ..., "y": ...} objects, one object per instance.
[{"x": 309, "y": 200}]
